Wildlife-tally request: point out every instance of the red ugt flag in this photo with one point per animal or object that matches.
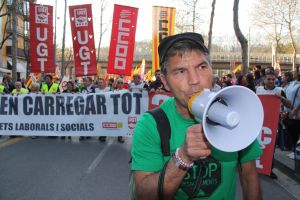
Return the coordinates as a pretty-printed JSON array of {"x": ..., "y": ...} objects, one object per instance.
[
  {"x": 41, "y": 38},
  {"x": 83, "y": 40},
  {"x": 122, "y": 40}
]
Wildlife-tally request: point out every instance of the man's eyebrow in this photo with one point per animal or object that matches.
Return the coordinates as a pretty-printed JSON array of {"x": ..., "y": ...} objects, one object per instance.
[{"x": 202, "y": 63}]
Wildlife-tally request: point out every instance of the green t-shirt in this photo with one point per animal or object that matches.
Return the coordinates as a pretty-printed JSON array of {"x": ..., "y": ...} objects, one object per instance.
[{"x": 218, "y": 175}]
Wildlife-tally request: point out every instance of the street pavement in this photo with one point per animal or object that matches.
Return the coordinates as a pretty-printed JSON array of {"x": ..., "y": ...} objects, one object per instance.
[{"x": 63, "y": 169}]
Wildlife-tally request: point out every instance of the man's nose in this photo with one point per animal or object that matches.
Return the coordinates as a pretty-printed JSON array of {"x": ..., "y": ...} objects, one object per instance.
[{"x": 193, "y": 77}]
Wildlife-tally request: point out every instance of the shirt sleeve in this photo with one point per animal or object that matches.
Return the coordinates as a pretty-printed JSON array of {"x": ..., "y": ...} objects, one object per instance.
[
  {"x": 250, "y": 153},
  {"x": 146, "y": 151}
]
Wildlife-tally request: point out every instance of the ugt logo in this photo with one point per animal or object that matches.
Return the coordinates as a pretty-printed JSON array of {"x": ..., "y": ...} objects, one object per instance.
[
  {"x": 41, "y": 15},
  {"x": 81, "y": 18},
  {"x": 132, "y": 122}
]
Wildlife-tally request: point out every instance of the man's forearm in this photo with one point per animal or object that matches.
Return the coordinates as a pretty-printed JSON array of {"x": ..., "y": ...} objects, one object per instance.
[{"x": 147, "y": 187}]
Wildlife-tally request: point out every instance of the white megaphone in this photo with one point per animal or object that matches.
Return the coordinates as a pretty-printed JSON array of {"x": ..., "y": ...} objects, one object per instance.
[{"x": 232, "y": 118}]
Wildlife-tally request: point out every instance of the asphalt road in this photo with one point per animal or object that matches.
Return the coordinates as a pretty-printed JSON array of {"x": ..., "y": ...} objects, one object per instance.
[{"x": 56, "y": 169}]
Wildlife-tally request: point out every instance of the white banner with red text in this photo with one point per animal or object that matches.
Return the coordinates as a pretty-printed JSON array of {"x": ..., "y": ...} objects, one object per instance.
[
  {"x": 101, "y": 114},
  {"x": 41, "y": 38}
]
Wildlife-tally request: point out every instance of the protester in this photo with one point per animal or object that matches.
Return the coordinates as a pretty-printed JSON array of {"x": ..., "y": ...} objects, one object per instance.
[
  {"x": 35, "y": 88},
  {"x": 2, "y": 88},
  {"x": 284, "y": 140},
  {"x": 157, "y": 85},
  {"x": 258, "y": 79},
  {"x": 215, "y": 87},
  {"x": 48, "y": 86},
  {"x": 270, "y": 89},
  {"x": 229, "y": 80},
  {"x": 102, "y": 88},
  {"x": 137, "y": 84},
  {"x": 18, "y": 89},
  {"x": 237, "y": 75},
  {"x": 186, "y": 70},
  {"x": 118, "y": 87},
  {"x": 293, "y": 94},
  {"x": 8, "y": 84},
  {"x": 71, "y": 88},
  {"x": 250, "y": 82},
  {"x": 89, "y": 87}
]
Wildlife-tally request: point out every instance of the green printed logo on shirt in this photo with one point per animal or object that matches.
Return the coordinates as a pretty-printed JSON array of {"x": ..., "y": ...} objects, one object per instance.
[{"x": 211, "y": 174}]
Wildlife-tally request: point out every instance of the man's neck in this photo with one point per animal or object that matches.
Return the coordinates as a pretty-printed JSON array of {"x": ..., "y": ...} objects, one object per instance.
[{"x": 182, "y": 110}]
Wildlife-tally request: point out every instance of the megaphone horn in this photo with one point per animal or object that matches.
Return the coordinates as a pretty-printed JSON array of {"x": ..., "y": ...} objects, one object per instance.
[{"x": 232, "y": 118}]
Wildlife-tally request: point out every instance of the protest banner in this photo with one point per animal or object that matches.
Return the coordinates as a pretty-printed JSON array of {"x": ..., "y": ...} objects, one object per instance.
[
  {"x": 267, "y": 137},
  {"x": 41, "y": 38},
  {"x": 101, "y": 114},
  {"x": 81, "y": 20},
  {"x": 122, "y": 40}
]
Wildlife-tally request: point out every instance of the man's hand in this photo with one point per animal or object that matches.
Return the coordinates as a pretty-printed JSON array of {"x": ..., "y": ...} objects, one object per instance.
[{"x": 195, "y": 145}]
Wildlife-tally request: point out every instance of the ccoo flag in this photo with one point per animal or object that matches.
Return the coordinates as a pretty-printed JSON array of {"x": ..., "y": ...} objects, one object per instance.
[{"x": 122, "y": 40}]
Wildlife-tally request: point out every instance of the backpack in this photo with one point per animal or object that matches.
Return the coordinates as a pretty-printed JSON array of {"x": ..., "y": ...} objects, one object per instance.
[{"x": 164, "y": 129}]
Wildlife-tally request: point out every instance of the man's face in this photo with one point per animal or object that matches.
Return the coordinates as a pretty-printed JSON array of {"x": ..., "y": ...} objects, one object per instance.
[
  {"x": 187, "y": 75},
  {"x": 101, "y": 84},
  {"x": 18, "y": 86},
  {"x": 48, "y": 80},
  {"x": 136, "y": 79},
  {"x": 157, "y": 76},
  {"x": 269, "y": 81}
]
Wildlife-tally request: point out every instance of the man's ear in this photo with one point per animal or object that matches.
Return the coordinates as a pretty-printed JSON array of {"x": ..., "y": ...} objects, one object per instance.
[{"x": 163, "y": 79}]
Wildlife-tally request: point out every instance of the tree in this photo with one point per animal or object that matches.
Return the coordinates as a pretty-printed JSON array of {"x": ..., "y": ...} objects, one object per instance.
[
  {"x": 5, "y": 34},
  {"x": 277, "y": 18},
  {"x": 103, "y": 6},
  {"x": 290, "y": 14},
  {"x": 241, "y": 38},
  {"x": 211, "y": 24},
  {"x": 188, "y": 19}
]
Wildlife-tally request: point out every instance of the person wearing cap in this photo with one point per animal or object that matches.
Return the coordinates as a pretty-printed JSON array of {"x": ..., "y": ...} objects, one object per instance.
[{"x": 186, "y": 70}]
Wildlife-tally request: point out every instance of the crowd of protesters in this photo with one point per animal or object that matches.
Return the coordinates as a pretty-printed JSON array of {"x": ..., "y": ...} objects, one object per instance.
[{"x": 260, "y": 80}]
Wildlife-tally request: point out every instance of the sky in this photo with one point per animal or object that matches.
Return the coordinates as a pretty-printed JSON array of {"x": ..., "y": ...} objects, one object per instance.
[{"x": 223, "y": 25}]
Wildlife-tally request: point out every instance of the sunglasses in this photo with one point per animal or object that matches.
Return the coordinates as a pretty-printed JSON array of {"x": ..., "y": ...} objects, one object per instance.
[{"x": 120, "y": 82}]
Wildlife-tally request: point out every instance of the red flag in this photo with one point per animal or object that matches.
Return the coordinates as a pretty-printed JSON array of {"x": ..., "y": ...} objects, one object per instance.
[
  {"x": 81, "y": 20},
  {"x": 41, "y": 38},
  {"x": 122, "y": 40},
  {"x": 267, "y": 137}
]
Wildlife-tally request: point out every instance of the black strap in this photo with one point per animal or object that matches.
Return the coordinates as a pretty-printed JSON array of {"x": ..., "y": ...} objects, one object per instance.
[
  {"x": 161, "y": 181},
  {"x": 164, "y": 129}
]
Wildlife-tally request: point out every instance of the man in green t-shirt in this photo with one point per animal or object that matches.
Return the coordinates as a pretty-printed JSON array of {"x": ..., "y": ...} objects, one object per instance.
[{"x": 186, "y": 69}]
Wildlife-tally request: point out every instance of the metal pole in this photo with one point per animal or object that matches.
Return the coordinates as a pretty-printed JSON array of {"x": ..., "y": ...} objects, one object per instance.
[{"x": 55, "y": 34}]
